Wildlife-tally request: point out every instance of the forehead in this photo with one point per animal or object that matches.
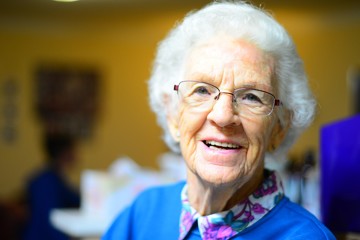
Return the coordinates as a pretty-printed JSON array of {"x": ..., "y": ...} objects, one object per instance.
[{"x": 225, "y": 59}]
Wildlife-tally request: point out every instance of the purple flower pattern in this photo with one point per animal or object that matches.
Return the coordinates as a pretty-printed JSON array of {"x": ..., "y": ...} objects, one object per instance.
[{"x": 227, "y": 224}]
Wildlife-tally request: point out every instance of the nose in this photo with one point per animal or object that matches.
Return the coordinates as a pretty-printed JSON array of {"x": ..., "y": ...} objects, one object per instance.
[{"x": 223, "y": 113}]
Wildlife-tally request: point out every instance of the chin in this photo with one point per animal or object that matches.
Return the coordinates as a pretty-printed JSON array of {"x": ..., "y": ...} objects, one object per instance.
[{"x": 220, "y": 176}]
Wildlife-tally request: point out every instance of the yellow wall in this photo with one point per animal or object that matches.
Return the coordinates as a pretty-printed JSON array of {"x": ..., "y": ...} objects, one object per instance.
[
  {"x": 122, "y": 47},
  {"x": 328, "y": 42}
]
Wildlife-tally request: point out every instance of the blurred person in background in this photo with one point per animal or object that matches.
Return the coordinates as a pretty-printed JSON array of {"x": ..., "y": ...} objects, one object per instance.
[
  {"x": 48, "y": 188},
  {"x": 229, "y": 90}
]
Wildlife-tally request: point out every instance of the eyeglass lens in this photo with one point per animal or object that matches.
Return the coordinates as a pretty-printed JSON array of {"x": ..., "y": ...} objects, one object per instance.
[{"x": 246, "y": 101}]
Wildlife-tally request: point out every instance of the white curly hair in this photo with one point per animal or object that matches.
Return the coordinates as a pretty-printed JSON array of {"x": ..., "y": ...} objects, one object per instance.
[{"x": 239, "y": 20}]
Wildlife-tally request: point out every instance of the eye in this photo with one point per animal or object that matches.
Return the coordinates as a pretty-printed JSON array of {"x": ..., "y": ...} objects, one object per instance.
[
  {"x": 251, "y": 98},
  {"x": 202, "y": 90},
  {"x": 197, "y": 91}
]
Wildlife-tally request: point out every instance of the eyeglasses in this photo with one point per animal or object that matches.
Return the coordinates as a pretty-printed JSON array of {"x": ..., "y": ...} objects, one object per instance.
[{"x": 246, "y": 101}]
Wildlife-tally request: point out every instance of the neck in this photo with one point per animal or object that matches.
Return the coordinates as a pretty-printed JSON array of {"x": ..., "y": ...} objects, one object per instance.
[{"x": 207, "y": 198}]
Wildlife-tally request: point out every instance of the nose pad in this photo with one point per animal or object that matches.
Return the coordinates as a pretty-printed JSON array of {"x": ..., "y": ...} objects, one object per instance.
[
  {"x": 223, "y": 114},
  {"x": 218, "y": 96},
  {"x": 233, "y": 100}
]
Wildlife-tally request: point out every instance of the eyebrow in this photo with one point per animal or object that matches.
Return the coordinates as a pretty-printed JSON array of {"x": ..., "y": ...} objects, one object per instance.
[
  {"x": 263, "y": 87},
  {"x": 208, "y": 78}
]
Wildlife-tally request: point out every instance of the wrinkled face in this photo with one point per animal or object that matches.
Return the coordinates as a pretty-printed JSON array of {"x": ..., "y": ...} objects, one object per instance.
[{"x": 219, "y": 145}]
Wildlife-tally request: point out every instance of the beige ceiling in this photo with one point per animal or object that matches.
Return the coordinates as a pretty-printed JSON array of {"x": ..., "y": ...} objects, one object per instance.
[
  {"x": 114, "y": 6},
  {"x": 19, "y": 14}
]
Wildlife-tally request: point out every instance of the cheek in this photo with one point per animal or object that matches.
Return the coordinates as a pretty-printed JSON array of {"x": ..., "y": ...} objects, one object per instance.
[
  {"x": 190, "y": 123},
  {"x": 259, "y": 133}
]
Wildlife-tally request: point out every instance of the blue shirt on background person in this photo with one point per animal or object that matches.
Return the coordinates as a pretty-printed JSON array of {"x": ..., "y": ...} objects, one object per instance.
[{"x": 48, "y": 189}]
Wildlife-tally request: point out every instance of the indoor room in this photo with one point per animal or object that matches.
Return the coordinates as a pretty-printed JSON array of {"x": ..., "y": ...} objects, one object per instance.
[{"x": 81, "y": 69}]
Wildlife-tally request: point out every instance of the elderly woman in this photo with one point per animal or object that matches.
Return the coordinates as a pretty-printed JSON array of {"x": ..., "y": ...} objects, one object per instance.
[{"x": 229, "y": 89}]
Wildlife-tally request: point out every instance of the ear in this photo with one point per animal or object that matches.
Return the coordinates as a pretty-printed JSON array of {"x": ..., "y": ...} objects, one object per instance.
[
  {"x": 172, "y": 122},
  {"x": 278, "y": 134}
]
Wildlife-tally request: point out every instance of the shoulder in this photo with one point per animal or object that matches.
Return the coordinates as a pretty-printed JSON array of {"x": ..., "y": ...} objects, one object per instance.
[
  {"x": 157, "y": 201},
  {"x": 150, "y": 211},
  {"x": 305, "y": 222},
  {"x": 163, "y": 192},
  {"x": 297, "y": 213},
  {"x": 41, "y": 179},
  {"x": 289, "y": 220}
]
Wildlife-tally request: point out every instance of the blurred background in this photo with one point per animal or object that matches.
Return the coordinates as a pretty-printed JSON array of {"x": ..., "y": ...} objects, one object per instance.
[{"x": 102, "y": 50}]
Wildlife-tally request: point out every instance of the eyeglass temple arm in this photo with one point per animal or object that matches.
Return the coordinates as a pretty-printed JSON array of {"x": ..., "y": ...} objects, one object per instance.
[
  {"x": 277, "y": 102},
  {"x": 176, "y": 87}
]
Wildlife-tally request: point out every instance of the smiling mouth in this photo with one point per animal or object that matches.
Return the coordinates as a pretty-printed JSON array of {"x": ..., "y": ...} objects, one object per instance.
[{"x": 221, "y": 145}]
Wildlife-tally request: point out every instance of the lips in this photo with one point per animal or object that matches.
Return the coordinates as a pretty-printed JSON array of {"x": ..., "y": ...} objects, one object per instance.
[{"x": 221, "y": 145}]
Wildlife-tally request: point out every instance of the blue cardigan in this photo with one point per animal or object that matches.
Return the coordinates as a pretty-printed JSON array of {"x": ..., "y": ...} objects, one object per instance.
[{"x": 156, "y": 212}]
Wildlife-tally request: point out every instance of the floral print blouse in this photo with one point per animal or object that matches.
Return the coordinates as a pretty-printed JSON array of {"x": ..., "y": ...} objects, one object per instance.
[{"x": 227, "y": 224}]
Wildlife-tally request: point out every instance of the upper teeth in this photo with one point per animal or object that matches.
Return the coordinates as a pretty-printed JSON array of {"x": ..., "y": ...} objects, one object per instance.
[{"x": 219, "y": 144}]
